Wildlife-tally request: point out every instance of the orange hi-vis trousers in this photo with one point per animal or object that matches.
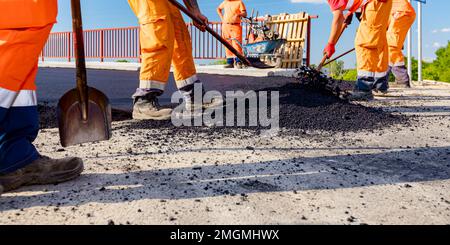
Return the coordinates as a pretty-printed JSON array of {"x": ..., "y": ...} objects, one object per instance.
[
  {"x": 165, "y": 40},
  {"x": 400, "y": 22},
  {"x": 372, "y": 47},
  {"x": 233, "y": 33},
  {"x": 24, "y": 28}
]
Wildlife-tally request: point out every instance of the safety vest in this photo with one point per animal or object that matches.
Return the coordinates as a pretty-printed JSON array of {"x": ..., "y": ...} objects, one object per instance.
[{"x": 27, "y": 13}]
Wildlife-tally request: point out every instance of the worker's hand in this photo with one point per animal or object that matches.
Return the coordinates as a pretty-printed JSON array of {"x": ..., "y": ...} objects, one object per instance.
[
  {"x": 329, "y": 50},
  {"x": 201, "y": 26}
]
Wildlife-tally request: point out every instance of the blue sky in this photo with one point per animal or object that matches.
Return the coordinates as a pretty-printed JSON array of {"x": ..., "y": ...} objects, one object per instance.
[{"x": 116, "y": 13}]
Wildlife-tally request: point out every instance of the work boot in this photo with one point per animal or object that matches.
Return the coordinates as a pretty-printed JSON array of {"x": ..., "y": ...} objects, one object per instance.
[
  {"x": 403, "y": 85},
  {"x": 148, "y": 108},
  {"x": 358, "y": 95},
  {"x": 239, "y": 65},
  {"x": 380, "y": 93},
  {"x": 43, "y": 171},
  {"x": 1, "y": 190},
  {"x": 192, "y": 105},
  {"x": 230, "y": 63}
]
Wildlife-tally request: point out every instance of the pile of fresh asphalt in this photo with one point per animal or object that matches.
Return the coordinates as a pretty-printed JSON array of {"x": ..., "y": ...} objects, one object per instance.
[{"x": 302, "y": 108}]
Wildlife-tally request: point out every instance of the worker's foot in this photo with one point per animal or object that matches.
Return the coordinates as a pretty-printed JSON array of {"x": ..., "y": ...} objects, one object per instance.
[
  {"x": 360, "y": 96},
  {"x": 215, "y": 102},
  {"x": 239, "y": 65},
  {"x": 43, "y": 171},
  {"x": 195, "y": 107},
  {"x": 1, "y": 190},
  {"x": 380, "y": 93},
  {"x": 228, "y": 66},
  {"x": 403, "y": 85},
  {"x": 148, "y": 108}
]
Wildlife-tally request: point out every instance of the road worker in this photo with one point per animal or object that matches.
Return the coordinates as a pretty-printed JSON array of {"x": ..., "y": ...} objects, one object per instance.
[
  {"x": 165, "y": 40},
  {"x": 402, "y": 18},
  {"x": 230, "y": 13},
  {"x": 371, "y": 43},
  {"x": 24, "y": 28}
]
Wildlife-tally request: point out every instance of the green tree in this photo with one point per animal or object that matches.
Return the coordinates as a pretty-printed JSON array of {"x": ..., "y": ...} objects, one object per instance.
[
  {"x": 436, "y": 70},
  {"x": 336, "y": 69},
  {"x": 349, "y": 75}
]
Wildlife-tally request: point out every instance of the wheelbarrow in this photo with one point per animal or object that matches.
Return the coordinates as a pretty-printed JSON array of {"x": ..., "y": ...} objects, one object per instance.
[{"x": 265, "y": 50}]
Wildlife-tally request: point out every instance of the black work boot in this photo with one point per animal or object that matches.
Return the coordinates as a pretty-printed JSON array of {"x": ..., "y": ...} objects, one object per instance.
[
  {"x": 230, "y": 63},
  {"x": 147, "y": 108},
  {"x": 43, "y": 171},
  {"x": 1, "y": 190},
  {"x": 358, "y": 95},
  {"x": 239, "y": 65}
]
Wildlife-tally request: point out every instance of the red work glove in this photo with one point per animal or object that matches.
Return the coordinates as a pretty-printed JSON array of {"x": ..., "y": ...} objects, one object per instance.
[{"x": 329, "y": 50}]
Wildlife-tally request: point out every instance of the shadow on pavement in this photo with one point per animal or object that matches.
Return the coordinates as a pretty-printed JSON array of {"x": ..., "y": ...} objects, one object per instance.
[{"x": 208, "y": 180}]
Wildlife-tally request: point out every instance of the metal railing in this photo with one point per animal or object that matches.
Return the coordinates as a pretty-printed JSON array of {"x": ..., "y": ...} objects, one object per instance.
[{"x": 123, "y": 43}]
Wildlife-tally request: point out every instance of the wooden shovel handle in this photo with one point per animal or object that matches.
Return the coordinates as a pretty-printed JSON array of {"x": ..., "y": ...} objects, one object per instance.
[
  {"x": 80, "y": 59},
  {"x": 212, "y": 32}
]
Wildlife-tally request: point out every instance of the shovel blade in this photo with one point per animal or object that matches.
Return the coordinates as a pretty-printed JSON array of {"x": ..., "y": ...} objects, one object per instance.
[{"x": 73, "y": 130}]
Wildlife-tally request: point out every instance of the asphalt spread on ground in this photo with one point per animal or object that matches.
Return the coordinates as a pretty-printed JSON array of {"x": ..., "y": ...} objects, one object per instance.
[{"x": 302, "y": 108}]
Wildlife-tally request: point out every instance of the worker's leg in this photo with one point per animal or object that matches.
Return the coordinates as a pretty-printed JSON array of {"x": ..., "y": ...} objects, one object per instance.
[
  {"x": 183, "y": 63},
  {"x": 19, "y": 124},
  {"x": 157, "y": 44},
  {"x": 398, "y": 30},
  {"x": 236, "y": 35},
  {"x": 370, "y": 44},
  {"x": 226, "y": 34},
  {"x": 182, "y": 59}
]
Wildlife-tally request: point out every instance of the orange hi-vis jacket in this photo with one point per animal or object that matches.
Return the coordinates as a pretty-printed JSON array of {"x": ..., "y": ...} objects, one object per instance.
[
  {"x": 232, "y": 10},
  {"x": 27, "y": 13},
  {"x": 350, "y": 5}
]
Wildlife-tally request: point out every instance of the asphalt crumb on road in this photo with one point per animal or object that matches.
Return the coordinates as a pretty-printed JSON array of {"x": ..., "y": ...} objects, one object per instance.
[{"x": 301, "y": 109}]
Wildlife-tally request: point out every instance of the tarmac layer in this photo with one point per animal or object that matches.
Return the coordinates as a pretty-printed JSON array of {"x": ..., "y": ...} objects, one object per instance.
[
  {"x": 301, "y": 109},
  {"x": 393, "y": 172}
]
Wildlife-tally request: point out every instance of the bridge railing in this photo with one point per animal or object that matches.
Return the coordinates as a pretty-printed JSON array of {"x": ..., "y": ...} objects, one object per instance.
[{"x": 123, "y": 44}]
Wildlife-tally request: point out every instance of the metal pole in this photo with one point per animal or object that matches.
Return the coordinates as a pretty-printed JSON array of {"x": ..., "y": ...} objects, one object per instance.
[
  {"x": 409, "y": 51},
  {"x": 419, "y": 44}
]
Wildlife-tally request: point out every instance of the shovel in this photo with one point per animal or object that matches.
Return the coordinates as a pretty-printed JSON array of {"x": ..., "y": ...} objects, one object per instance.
[
  {"x": 84, "y": 113},
  {"x": 338, "y": 57},
  {"x": 256, "y": 63}
]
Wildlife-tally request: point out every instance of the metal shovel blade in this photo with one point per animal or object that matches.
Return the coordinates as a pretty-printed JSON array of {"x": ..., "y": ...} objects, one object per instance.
[{"x": 73, "y": 129}]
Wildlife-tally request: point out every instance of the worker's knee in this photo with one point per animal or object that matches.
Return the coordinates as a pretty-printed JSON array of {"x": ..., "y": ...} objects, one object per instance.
[{"x": 157, "y": 34}]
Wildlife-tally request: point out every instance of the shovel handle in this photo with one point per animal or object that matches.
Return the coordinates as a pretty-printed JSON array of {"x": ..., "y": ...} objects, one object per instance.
[
  {"x": 339, "y": 56},
  {"x": 80, "y": 59},
  {"x": 212, "y": 32}
]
